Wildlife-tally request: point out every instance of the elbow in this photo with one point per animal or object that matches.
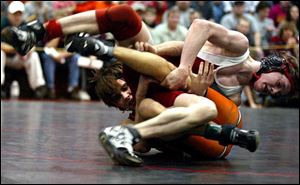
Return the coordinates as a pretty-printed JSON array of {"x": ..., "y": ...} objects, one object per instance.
[
  {"x": 201, "y": 24},
  {"x": 244, "y": 43}
]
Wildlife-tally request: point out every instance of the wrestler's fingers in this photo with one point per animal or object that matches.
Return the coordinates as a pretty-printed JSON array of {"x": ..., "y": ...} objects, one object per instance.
[
  {"x": 206, "y": 68},
  {"x": 136, "y": 45},
  {"x": 191, "y": 74},
  {"x": 146, "y": 46},
  {"x": 142, "y": 48},
  {"x": 211, "y": 69},
  {"x": 200, "y": 70}
]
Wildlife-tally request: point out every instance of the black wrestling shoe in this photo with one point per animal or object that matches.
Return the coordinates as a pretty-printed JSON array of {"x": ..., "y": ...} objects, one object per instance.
[
  {"x": 23, "y": 38},
  {"x": 248, "y": 139},
  {"x": 85, "y": 45},
  {"x": 118, "y": 142}
]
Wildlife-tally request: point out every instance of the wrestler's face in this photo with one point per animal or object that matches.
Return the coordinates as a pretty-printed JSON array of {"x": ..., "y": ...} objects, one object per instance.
[
  {"x": 273, "y": 83},
  {"x": 126, "y": 101}
]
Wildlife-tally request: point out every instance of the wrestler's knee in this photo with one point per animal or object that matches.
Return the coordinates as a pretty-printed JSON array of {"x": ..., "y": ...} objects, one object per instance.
[
  {"x": 209, "y": 106},
  {"x": 149, "y": 108}
]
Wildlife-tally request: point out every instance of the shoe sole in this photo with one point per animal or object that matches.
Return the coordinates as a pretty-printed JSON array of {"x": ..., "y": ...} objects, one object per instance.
[
  {"x": 116, "y": 155},
  {"x": 255, "y": 144}
]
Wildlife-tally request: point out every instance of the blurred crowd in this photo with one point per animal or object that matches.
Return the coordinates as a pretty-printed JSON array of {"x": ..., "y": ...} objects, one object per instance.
[{"x": 53, "y": 73}]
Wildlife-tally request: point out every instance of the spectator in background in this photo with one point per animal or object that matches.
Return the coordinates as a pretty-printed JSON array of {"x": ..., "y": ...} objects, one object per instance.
[
  {"x": 292, "y": 17},
  {"x": 10, "y": 58},
  {"x": 279, "y": 12},
  {"x": 51, "y": 59},
  {"x": 159, "y": 6},
  {"x": 218, "y": 10},
  {"x": 287, "y": 36},
  {"x": 195, "y": 15},
  {"x": 139, "y": 7},
  {"x": 185, "y": 10},
  {"x": 249, "y": 6},
  {"x": 83, "y": 6},
  {"x": 265, "y": 25},
  {"x": 205, "y": 8},
  {"x": 149, "y": 17},
  {"x": 63, "y": 8},
  {"x": 3, "y": 8},
  {"x": 243, "y": 26},
  {"x": 230, "y": 21},
  {"x": 170, "y": 31},
  {"x": 61, "y": 57},
  {"x": 40, "y": 10}
]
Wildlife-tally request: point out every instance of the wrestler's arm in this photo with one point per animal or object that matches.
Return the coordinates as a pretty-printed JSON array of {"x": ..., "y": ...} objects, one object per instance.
[
  {"x": 145, "y": 63},
  {"x": 169, "y": 48},
  {"x": 200, "y": 32}
]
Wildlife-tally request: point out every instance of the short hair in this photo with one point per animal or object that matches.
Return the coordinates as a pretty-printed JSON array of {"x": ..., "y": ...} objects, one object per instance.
[
  {"x": 262, "y": 5},
  {"x": 287, "y": 26},
  {"x": 238, "y": 3},
  {"x": 174, "y": 9},
  {"x": 106, "y": 85}
]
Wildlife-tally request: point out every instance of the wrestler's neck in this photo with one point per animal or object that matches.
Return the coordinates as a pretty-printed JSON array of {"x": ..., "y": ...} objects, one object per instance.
[{"x": 250, "y": 67}]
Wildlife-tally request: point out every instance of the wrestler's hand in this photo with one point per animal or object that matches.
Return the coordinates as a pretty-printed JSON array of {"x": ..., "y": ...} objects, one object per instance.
[
  {"x": 176, "y": 79},
  {"x": 144, "y": 46},
  {"x": 201, "y": 81}
]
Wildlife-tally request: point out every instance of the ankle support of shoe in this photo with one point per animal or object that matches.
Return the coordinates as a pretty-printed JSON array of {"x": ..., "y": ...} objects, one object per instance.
[
  {"x": 225, "y": 136},
  {"x": 136, "y": 135}
]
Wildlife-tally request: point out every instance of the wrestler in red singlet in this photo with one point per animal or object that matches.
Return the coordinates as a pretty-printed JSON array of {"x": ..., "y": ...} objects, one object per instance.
[{"x": 228, "y": 112}]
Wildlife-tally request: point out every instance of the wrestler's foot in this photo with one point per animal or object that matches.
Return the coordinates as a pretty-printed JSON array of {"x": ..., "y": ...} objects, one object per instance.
[
  {"x": 118, "y": 142},
  {"x": 23, "y": 38},
  {"x": 248, "y": 139},
  {"x": 85, "y": 45}
]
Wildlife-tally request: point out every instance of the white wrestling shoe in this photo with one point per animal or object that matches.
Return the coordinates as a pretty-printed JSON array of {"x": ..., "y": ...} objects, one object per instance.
[{"x": 118, "y": 142}]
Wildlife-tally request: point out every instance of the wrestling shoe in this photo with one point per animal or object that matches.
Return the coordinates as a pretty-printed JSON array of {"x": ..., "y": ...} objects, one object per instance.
[
  {"x": 23, "y": 38},
  {"x": 85, "y": 45},
  {"x": 248, "y": 139},
  {"x": 118, "y": 142}
]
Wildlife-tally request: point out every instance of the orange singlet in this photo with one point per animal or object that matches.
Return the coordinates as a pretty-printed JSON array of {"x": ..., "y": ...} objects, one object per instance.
[{"x": 228, "y": 113}]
